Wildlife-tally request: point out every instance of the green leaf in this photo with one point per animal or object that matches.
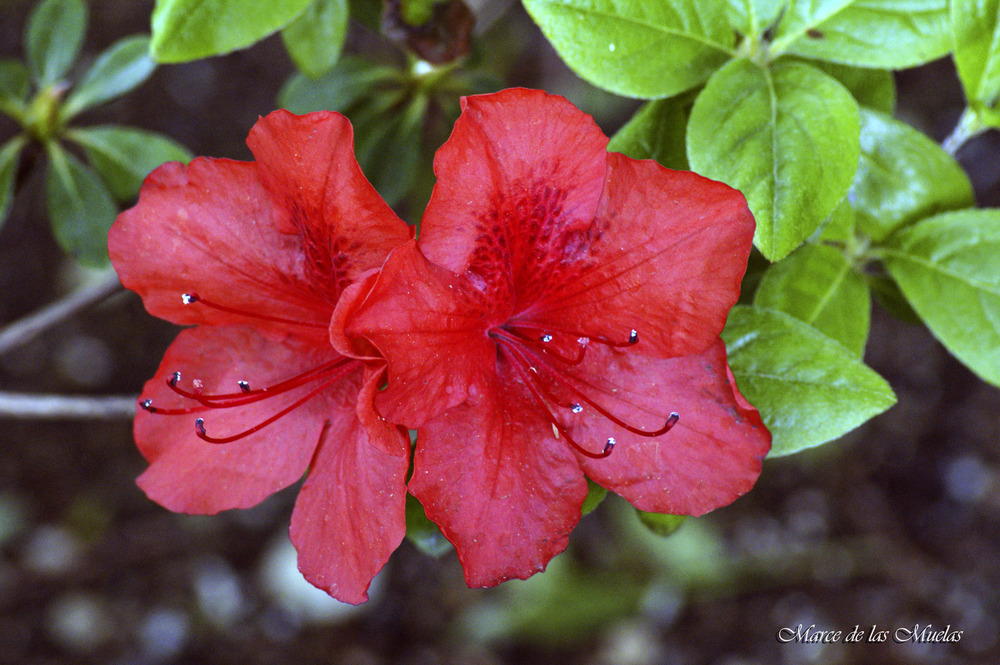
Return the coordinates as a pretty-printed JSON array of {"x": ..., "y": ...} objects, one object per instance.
[
  {"x": 809, "y": 389},
  {"x": 422, "y": 532},
  {"x": 948, "y": 267},
  {"x": 186, "y": 30},
  {"x": 55, "y": 33},
  {"x": 874, "y": 88},
  {"x": 595, "y": 495},
  {"x": 787, "y": 137},
  {"x": 350, "y": 80},
  {"x": 637, "y": 48},
  {"x": 9, "y": 154},
  {"x": 866, "y": 33},
  {"x": 660, "y": 523},
  {"x": 656, "y": 132},
  {"x": 122, "y": 67},
  {"x": 14, "y": 88},
  {"x": 753, "y": 17},
  {"x": 817, "y": 285},
  {"x": 388, "y": 146},
  {"x": 124, "y": 156},
  {"x": 314, "y": 40},
  {"x": 902, "y": 176},
  {"x": 80, "y": 208},
  {"x": 888, "y": 294},
  {"x": 975, "y": 26}
]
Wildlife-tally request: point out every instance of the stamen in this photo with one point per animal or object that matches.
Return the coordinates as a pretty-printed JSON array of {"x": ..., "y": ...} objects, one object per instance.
[
  {"x": 244, "y": 386},
  {"x": 199, "y": 423},
  {"x": 633, "y": 337},
  {"x": 248, "y": 396},
  {"x": 546, "y": 338},
  {"x": 575, "y": 408},
  {"x": 191, "y": 298},
  {"x": 515, "y": 336}
]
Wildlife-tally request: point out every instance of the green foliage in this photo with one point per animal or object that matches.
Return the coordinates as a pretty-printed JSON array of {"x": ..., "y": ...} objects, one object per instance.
[
  {"x": 314, "y": 40},
  {"x": 659, "y": 523},
  {"x": 874, "y": 88},
  {"x": 786, "y": 136},
  {"x": 423, "y": 533},
  {"x": 975, "y": 26},
  {"x": 595, "y": 496},
  {"x": 656, "y": 132},
  {"x": 124, "y": 156},
  {"x": 55, "y": 33},
  {"x": 80, "y": 208},
  {"x": 125, "y": 65},
  {"x": 636, "y": 48},
  {"x": 14, "y": 87},
  {"x": 186, "y": 30},
  {"x": 9, "y": 154},
  {"x": 865, "y": 33},
  {"x": 818, "y": 285},
  {"x": 948, "y": 267},
  {"x": 808, "y": 388},
  {"x": 902, "y": 176}
]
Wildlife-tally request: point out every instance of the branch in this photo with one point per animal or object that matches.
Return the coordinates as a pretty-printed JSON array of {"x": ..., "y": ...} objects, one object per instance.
[
  {"x": 26, "y": 329},
  {"x": 66, "y": 407}
]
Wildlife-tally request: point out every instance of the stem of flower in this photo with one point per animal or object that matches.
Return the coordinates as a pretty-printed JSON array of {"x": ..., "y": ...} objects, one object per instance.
[
  {"x": 66, "y": 407},
  {"x": 28, "y": 328}
]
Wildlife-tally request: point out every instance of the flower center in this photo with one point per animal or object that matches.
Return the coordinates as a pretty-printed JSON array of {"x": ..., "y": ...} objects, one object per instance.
[
  {"x": 541, "y": 357},
  {"x": 319, "y": 378}
]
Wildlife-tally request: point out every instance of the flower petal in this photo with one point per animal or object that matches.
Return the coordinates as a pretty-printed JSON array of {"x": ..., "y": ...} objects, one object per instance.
[
  {"x": 711, "y": 456},
  {"x": 502, "y": 489},
  {"x": 207, "y": 229},
  {"x": 429, "y": 325},
  {"x": 520, "y": 168},
  {"x": 187, "y": 474},
  {"x": 350, "y": 514},
  {"x": 665, "y": 258},
  {"x": 307, "y": 165}
]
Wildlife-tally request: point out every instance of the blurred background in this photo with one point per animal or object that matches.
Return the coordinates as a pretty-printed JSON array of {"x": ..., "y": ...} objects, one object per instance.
[{"x": 896, "y": 526}]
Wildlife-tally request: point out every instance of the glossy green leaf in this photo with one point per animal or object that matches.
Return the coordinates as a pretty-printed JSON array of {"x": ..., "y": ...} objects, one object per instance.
[
  {"x": 122, "y": 67},
  {"x": 186, "y": 30},
  {"x": 874, "y": 88},
  {"x": 890, "y": 34},
  {"x": 423, "y": 533},
  {"x": 902, "y": 176},
  {"x": 638, "y": 48},
  {"x": 80, "y": 208},
  {"x": 9, "y": 154},
  {"x": 809, "y": 389},
  {"x": 124, "y": 156},
  {"x": 817, "y": 285},
  {"x": 948, "y": 267},
  {"x": 753, "y": 17},
  {"x": 888, "y": 294},
  {"x": 53, "y": 39},
  {"x": 787, "y": 137},
  {"x": 975, "y": 26},
  {"x": 350, "y": 80},
  {"x": 659, "y": 523},
  {"x": 14, "y": 87},
  {"x": 656, "y": 131},
  {"x": 314, "y": 40}
]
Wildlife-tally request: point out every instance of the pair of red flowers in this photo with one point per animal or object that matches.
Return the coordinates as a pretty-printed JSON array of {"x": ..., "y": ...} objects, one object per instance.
[{"x": 557, "y": 319}]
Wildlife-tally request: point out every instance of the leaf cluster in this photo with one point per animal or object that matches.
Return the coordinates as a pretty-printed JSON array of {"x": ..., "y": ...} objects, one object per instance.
[{"x": 82, "y": 199}]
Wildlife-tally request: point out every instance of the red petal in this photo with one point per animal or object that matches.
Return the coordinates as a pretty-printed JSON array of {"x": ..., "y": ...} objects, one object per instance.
[
  {"x": 503, "y": 491},
  {"x": 429, "y": 325},
  {"x": 207, "y": 229},
  {"x": 307, "y": 165},
  {"x": 520, "y": 166},
  {"x": 350, "y": 515},
  {"x": 711, "y": 456},
  {"x": 187, "y": 474},
  {"x": 665, "y": 257}
]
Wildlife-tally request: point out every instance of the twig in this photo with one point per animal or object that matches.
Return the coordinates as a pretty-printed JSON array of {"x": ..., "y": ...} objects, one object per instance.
[
  {"x": 24, "y": 330},
  {"x": 66, "y": 407}
]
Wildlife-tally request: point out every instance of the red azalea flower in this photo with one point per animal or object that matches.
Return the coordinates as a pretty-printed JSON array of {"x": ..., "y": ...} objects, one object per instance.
[
  {"x": 256, "y": 255},
  {"x": 558, "y": 318}
]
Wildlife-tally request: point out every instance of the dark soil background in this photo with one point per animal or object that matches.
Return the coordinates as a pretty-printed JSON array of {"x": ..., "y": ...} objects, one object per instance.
[{"x": 897, "y": 525}]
